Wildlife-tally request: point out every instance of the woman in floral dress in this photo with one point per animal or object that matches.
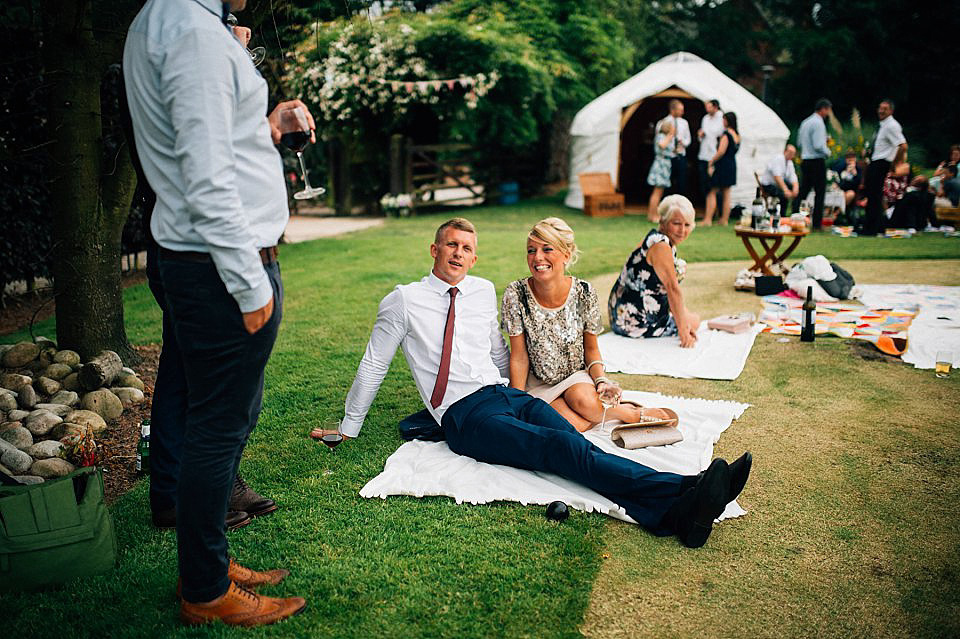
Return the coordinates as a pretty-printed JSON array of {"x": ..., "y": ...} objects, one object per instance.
[
  {"x": 659, "y": 175},
  {"x": 646, "y": 300},
  {"x": 553, "y": 320}
]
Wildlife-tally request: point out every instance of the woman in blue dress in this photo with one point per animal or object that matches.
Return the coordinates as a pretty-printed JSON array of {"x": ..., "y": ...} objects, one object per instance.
[
  {"x": 659, "y": 175},
  {"x": 646, "y": 300},
  {"x": 722, "y": 169}
]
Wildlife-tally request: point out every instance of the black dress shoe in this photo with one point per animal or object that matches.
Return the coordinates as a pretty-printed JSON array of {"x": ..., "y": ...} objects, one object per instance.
[
  {"x": 246, "y": 499},
  {"x": 167, "y": 519},
  {"x": 739, "y": 471},
  {"x": 692, "y": 515}
]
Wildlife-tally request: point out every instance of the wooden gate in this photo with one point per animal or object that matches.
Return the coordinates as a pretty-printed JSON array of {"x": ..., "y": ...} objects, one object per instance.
[{"x": 426, "y": 171}]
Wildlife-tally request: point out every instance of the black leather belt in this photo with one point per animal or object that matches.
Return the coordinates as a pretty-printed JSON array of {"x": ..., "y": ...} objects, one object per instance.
[{"x": 268, "y": 255}]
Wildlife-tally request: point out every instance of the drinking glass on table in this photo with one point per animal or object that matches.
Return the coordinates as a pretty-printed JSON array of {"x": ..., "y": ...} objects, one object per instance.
[
  {"x": 295, "y": 135},
  {"x": 609, "y": 392}
]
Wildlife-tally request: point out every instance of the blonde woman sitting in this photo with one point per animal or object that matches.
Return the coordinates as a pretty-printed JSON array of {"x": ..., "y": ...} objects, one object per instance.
[{"x": 553, "y": 320}]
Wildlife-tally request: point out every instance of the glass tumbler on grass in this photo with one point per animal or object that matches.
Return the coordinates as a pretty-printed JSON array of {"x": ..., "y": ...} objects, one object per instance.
[
  {"x": 944, "y": 363},
  {"x": 295, "y": 135}
]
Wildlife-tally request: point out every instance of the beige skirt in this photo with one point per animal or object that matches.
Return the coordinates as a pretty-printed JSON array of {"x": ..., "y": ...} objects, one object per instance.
[{"x": 549, "y": 392}]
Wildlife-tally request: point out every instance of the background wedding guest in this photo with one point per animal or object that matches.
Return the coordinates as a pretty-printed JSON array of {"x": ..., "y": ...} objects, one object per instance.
[
  {"x": 711, "y": 128},
  {"x": 812, "y": 140},
  {"x": 681, "y": 140},
  {"x": 850, "y": 177},
  {"x": 889, "y": 148},
  {"x": 722, "y": 169},
  {"x": 779, "y": 178},
  {"x": 659, "y": 175}
]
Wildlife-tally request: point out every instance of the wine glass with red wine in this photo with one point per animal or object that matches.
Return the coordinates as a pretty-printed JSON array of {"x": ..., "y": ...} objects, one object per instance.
[
  {"x": 295, "y": 135},
  {"x": 332, "y": 440}
]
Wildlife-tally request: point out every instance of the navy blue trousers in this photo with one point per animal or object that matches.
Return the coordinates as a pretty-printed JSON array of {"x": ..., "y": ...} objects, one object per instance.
[
  {"x": 813, "y": 175},
  {"x": 501, "y": 425},
  {"x": 222, "y": 369}
]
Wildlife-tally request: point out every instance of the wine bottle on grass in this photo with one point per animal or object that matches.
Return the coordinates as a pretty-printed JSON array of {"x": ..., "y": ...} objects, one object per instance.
[{"x": 808, "y": 320}]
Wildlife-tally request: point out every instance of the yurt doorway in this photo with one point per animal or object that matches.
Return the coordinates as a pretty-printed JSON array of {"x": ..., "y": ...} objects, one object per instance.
[{"x": 636, "y": 145}]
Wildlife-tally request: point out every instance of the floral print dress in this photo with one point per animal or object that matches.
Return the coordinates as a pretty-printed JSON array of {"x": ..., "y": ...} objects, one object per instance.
[
  {"x": 659, "y": 174},
  {"x": 638, "y": 301}
]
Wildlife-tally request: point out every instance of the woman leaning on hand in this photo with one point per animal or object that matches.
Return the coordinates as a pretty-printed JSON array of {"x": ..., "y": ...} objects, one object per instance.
[
  {"x": 553, "y": 320},
  {"x": 646, "y": 300}
]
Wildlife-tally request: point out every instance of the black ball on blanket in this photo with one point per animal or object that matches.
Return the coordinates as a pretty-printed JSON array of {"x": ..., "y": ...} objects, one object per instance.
[{"x": 557, "y": 511}]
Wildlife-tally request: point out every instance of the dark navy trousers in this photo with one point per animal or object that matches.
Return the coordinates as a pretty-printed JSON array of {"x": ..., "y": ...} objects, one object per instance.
[
  {"x": 218, "y": 368},
  {"x": 501, "y": 425}
]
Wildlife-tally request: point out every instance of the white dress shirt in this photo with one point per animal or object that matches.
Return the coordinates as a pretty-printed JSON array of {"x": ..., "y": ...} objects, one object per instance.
[
  {"x": 199, "y": 118},
  {"x": 712, "y": 126},
  {"x": 413, "y": 316},
  {"x": 681, "y": 134},
  {"x": 779, "y": 166},
  {"x": 889, "y": 138}
]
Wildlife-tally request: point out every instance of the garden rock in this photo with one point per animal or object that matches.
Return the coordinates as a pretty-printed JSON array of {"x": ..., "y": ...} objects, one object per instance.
[
  {"x": 68, "y": 357},
  {"x": 27, "y": 398},
  {"x": 5, "y": 470},
  {"x": 72, "y": 382},
  {"x": 18, "y": 436},
  {"x": 14, "y": 381},
  {"x": 45, "y": 343},
  {"x": 88, "y": 418},
  {"x": 3, "y": 350},
  {"x": 128, "y": 370},
  {"x": 28, "y": 479},
  {"x": 8, "y": 402},
  {"x": 40, "y": 422},
  {"x": 51, "y": 468},
  {"x": 15, "y": 459},
  {"x": 17, "y": 415},
  {"x": 45, "y": 449},
  {"x": 46, "y": 386},
  {"x": 60, "y": 410},
  {"x": 129, "y": 380},
  {"x": 8, "y": 425},
  {"x": 66, "y": 429},
  {"x": 103, "y": 403},
  {"x": 20, "y": 355},
  {"x": 128, "y": 396},
  {"x": 65, "y": 397},
  {"x": 57, "y": 371}
]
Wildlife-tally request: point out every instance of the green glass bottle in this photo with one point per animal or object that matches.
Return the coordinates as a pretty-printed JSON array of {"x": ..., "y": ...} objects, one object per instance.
[{"x": 143, "y": 449}]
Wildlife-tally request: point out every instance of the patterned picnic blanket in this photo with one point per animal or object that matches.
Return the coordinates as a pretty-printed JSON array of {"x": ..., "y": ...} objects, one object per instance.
[{"x": 782, "y": 314}]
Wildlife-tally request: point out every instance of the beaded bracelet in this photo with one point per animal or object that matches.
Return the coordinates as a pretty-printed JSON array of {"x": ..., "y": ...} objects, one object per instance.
[{"x": 600, "y": 380}]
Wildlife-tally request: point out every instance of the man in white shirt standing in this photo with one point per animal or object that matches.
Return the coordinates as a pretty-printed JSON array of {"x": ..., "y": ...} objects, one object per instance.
[
  {"x": 681, "y": 140},
  {"x": 888, "y": 150},
  {"x": 779, "y": 179},
  {"x": 207, "y": 150},
  {"x": 812, "y": 140},
  {"x": 711, "y": 128},
  {"x": 446, "y": 324}
]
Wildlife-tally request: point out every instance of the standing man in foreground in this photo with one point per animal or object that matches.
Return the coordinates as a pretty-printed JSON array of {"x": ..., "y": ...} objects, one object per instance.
[
  {"x": 681, "y": 140},
  {"x": 446, "y": 324},
  {"x": 711, "y": 128},
  {"x": 812, "y": 140},
  {"x": 889, "y": 148},
  {"x": 206, "y": 148}
]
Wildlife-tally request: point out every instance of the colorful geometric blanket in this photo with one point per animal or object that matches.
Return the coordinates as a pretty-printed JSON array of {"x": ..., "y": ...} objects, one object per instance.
[{"x": 884, "y": 327}]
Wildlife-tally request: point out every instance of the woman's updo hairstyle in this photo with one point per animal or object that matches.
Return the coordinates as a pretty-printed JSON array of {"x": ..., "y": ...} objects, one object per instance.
[{"x": 556, "y": 233}]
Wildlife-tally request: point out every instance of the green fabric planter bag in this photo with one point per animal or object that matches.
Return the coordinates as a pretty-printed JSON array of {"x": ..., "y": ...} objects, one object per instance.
[{"x": 54, "y": 531}]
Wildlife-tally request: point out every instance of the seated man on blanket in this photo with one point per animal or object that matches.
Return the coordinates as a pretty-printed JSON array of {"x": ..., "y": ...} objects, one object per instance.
[{"x": 446, "y": 324}]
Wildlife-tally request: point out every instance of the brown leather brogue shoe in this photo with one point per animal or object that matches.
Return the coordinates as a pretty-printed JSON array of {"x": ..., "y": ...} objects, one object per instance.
[
  {"x": 167, "y": 519},
  {"x": 241, "y": 607},
  {"x": 248, "y": 578},
  {"x": 248, "y": 500}
]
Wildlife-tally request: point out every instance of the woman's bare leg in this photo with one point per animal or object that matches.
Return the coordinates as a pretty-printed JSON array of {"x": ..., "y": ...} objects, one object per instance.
[
  {"x": 725, "y": 213},
  {"x": 578, "y": 422},
  {"x": 653, "y": 203},
  {"x": 583, "y": 400},
  {"x": 711, "y": 207}
]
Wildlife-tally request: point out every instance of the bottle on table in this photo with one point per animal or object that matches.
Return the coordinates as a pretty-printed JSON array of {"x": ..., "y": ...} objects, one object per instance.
[
  {"x": 143, "y": 449},
  {"x": 757, "y": 209},
  {"x": 808, "y": 319},
  {"x": 775, "y": 218}
]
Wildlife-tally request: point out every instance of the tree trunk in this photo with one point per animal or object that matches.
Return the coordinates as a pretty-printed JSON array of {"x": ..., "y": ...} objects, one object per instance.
[{"x": 88, "y": 209}]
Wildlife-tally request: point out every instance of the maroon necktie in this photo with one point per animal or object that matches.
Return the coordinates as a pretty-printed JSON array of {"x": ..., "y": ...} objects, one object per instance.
[{"x": 444, "y": 373}]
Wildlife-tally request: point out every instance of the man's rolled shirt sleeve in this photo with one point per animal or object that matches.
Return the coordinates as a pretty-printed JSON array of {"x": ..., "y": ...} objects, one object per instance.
[{"x": 201, "y": 94}]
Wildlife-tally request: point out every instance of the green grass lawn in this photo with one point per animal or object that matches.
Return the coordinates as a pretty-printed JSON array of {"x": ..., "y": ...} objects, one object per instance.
[{"x": 854, "y": 503}]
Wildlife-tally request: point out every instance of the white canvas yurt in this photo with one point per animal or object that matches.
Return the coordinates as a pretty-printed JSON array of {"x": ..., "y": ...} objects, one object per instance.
[{"x": 614, "y": 132}]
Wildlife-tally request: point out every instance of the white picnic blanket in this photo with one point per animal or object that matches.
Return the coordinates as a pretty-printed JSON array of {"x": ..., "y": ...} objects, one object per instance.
[
  {"x": 716, "y": 355},
  {"x": 419, "y": 469},
  {"x": 936, "y": 326}
]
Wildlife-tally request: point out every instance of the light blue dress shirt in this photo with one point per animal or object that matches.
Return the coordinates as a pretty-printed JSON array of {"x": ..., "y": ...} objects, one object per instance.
[
  {"x": 199, "y": 112},
  {"x": 812, "y": 138}
]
